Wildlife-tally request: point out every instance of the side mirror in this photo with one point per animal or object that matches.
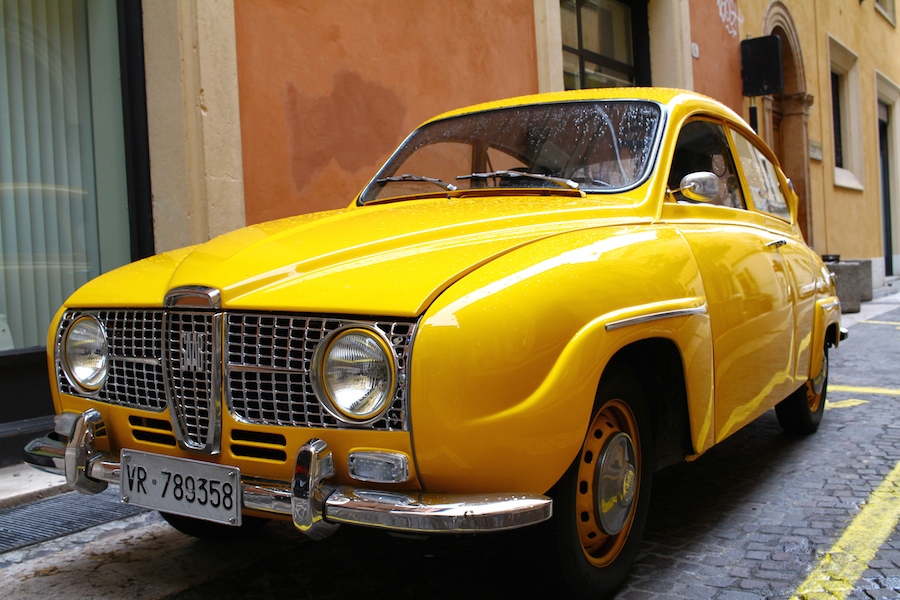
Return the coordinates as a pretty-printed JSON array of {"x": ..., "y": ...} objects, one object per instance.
[{"x": 701, "y": 186}]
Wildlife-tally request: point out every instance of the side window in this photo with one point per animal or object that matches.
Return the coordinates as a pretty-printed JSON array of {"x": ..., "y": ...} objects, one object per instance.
[
  {"x": 702, "y": 146},
  {"x": 762, "y": 179}
]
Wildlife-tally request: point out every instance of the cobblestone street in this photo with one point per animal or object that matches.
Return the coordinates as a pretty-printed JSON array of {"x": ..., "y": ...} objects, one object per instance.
[{"x": 756, "y": 517}]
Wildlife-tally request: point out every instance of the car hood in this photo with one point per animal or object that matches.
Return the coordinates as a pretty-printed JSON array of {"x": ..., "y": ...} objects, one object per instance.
[{"x": 390, "y": 259}]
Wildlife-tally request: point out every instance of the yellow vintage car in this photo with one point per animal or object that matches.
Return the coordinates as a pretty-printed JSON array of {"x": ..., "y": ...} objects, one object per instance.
[{"x": 531, "y": 307}]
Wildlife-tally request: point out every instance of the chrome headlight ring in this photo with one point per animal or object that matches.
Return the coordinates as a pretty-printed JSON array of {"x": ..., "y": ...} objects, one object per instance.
[
  {"x": 84, "y": 354},
  {"x": 354, "y": 374}
]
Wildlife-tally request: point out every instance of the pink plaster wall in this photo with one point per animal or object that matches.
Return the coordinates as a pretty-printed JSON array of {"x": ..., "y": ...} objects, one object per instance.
[
  {"x": 328, "y": 89},
  {"x": 717, "y": 73}
]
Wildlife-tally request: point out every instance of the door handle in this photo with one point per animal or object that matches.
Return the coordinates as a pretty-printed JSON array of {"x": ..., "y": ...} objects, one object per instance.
[{"x": 775, "y": 244}]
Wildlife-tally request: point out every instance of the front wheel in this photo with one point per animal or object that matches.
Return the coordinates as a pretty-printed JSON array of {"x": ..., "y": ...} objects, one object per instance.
[{"x": 602, "y": 501}]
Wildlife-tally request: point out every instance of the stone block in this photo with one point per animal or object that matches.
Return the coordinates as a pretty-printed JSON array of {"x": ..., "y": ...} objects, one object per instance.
[
  {"x": 848, "y": 284},
  {"x": 865, "y": 278}
]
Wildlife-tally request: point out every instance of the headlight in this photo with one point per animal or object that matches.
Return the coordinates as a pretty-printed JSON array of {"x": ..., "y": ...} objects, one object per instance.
[
  {"x": 85, "y": 354},
  {"x": 355, "y": 372}
]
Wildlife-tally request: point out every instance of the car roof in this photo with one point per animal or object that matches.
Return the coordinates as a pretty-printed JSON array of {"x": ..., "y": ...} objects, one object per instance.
[{"x": 669, "y": 97}]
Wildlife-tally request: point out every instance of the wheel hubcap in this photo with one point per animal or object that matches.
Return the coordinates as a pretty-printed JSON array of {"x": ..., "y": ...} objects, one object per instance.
[
  {"x": 608, "y": 483},
  {"x": 615, "y": 483}
]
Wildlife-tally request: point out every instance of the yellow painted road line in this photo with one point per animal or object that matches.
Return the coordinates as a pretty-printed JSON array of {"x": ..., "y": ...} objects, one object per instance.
[
  {"x": 863, "y": 390},
  {"x": 838, "y": 571},
  {"x": 844, "y": 403},
  {"x": 881, "y": 322}
]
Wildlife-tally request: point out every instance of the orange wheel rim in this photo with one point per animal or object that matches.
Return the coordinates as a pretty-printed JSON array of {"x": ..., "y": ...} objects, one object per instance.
[
  {"x": 608, "y": 485},
  {"x": 812, "y": 399}
]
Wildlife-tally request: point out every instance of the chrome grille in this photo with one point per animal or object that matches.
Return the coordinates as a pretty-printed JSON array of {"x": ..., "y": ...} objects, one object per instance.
[
  {"x": 267, "y": 369},
  {"x": 267, "y": 359},
  {"x": 136, "y": 376},
  {"x": 192, "y": 370}
]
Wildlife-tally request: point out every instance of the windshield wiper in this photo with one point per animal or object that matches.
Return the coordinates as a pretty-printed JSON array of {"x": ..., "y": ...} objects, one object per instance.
[
  {"x": 447, "y": 186},
  {"x": 560, "y": 181}
]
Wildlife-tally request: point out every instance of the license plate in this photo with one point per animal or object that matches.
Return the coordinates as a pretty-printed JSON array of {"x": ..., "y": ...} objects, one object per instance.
[{"x": 190, "y": 488}]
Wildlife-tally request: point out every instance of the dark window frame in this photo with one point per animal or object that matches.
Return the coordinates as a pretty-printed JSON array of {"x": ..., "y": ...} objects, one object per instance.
[
  {"x": 837, "y": 82},
  {"x": 137, "y": 145},
  {"x": 640, "y": 42}
]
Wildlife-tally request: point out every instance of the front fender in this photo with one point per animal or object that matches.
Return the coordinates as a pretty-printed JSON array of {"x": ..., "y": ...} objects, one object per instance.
[
  {"x": 827, "y": 314},
  {"x": 506, "y": 362}
]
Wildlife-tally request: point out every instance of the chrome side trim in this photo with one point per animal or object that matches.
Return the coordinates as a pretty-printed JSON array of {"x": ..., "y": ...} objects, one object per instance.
[
  {"x": 830, "y": 305},
  {"x": 666, "y": 314}
]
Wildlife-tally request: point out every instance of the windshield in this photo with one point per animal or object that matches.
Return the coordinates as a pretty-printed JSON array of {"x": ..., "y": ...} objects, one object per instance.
[{"x": 597, "y": 147}]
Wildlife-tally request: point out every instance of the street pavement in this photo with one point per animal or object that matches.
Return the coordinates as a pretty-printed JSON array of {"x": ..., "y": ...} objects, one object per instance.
[{"x": 762, "y": 515}]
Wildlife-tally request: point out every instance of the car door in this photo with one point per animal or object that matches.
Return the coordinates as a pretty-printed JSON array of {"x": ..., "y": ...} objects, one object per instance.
[
  {"x": 745, "y": 279},
  {"x": 768, "y": 198}
]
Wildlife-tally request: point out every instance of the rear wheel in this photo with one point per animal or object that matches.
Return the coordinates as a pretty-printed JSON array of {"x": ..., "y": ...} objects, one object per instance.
[
  {"x": 216, "y": 532},
  {"x": 802, "y": 411},
  {"x": 602, "y": 501}
]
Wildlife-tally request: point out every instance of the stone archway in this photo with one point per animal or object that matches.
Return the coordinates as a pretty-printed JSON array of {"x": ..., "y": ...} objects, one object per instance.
[{"x": 786, "y": 115}]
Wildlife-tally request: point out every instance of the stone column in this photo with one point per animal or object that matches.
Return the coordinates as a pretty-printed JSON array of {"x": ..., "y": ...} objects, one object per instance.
[{"x": 196, "y": 165}]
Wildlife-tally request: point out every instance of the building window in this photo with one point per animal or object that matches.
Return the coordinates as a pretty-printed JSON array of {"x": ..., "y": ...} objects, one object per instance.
[
  {"x": 63, "y": 187},
  {"x": 846, "y": 111},
  {"x": 598, "y": 43},
  {"x": 836, "y": 85},
  {"x": 889, "y": 134},
  {"x": 886, "y": 7}
]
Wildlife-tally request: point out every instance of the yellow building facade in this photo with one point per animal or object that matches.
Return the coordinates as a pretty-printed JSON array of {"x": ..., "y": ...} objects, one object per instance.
[{"x": 836, "y": 124}]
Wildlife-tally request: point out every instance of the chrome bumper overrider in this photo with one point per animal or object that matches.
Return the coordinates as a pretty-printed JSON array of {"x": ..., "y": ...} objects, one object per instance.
[{"x": 316, "y": 507}]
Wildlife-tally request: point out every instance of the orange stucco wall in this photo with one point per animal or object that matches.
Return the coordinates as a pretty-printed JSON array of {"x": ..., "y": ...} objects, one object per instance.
[
  {"x": 717, "y": 72},
  {"x": 329, "y": 89}
]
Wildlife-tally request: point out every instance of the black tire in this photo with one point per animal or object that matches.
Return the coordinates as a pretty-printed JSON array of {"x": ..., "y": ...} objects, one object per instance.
[
  {"x": 593, "y": 562},
  {"x": 801, "y": 412},
  {"x": 213, "y": 532}
]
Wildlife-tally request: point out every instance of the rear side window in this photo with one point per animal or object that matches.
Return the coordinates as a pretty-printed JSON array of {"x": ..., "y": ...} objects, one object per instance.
[
  {"x": 703, "y": 147},
  {"x": 762, "y": 179}
]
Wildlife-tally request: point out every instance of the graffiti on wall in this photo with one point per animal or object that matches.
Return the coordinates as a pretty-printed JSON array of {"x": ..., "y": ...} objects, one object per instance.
[{"x": 728, "y": 11}]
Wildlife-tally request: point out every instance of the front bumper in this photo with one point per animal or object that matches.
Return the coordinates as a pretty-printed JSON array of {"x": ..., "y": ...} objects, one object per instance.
[{"x": 315, "y": 507}]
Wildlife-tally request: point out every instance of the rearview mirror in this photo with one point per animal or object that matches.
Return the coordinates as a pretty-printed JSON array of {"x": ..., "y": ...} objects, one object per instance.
[{"x": 701, "y": 186}]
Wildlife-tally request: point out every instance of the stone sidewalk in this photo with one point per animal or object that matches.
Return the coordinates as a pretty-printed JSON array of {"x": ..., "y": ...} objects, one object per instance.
[{"x": 20, "y": 484}]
